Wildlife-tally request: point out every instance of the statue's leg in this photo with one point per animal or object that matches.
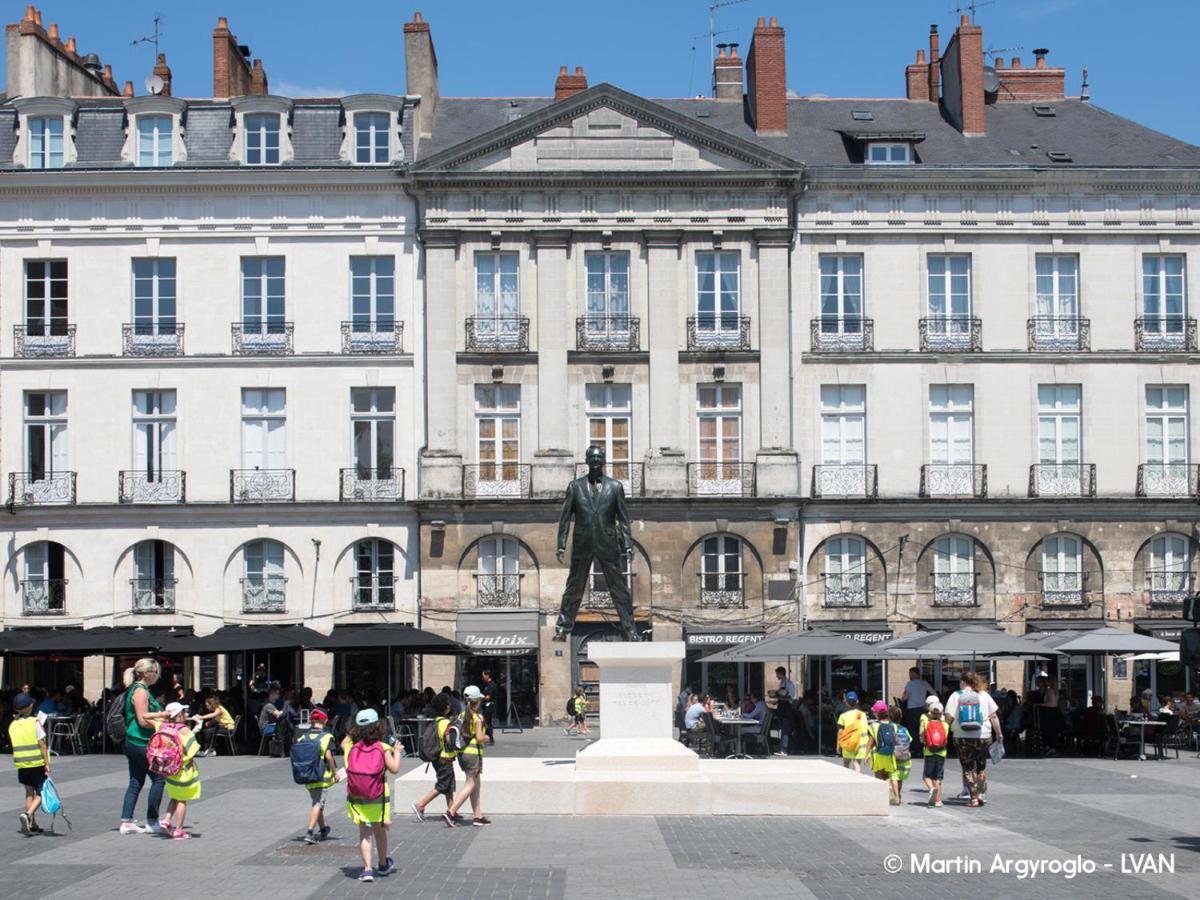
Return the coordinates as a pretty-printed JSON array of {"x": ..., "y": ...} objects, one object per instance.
[
  {"x": 618, "y": 586},
  {"x": 572, "y": 595}
]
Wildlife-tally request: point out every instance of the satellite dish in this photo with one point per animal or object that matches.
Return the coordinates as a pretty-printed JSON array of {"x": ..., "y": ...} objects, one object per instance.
[
  {"x": 991, "y": 81},
  {"x": 155, "y": 84}
]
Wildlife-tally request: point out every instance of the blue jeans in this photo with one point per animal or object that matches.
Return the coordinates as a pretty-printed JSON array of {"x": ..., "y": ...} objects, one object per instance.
[{"x": 138, "y": 770}]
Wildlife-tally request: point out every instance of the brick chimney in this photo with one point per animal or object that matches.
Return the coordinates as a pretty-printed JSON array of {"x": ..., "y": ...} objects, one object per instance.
[
  {"x": 766, "y": 79},
  {"x": 232, "y": 73},
  {"x": 935, "y": 93},
  {"x": 163, "y": 71},
  {"x": 962, "y": 79},
  {"x": 727, "y": 75},
  {"x": 916, "y": 77},
  {"x": 1042, "y": 82},
  {"x": 569, "y": 85},
  {"x": 258, "y": 79},
  {"x": 421, "y": 68}
]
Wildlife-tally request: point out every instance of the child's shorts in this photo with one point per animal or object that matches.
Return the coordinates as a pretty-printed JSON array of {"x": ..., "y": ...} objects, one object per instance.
[
  {"x": 935, "y": 767},
  {"x": 370, "y": 812},
  {"x": 444, "y": 770},
  {"x": 578, "y": 720},
  {"x": 317, "y": 795},
  {"x": 34, "y": 777}
]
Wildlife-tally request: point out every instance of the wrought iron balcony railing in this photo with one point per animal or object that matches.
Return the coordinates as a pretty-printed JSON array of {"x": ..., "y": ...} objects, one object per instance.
[
  {"x": 718, "y": 331},
  {"x": 264, "y": 594},
  {"x": 487, "y": 480},
  {"x": 953, "y": 480},
  {"x": 1164, "y": 333},
  {"x": 262, "y": 338},
  {"x": 599, "y": 596},
  {"x": 152, "y": 339},
  {"x": 373, "y": 592},
  {"x": 628, "y": 473},
  {"x": 1059, "y": 333},
  {"x": 41, "y": 488},
  {"x": 718, "y": 478},
  {"x": 1168, "y": 480},
  {"x": 1063, "y": 589},
  {"x": 152, "y": 487},
  {"x": 955, "y": 589},
  {"x": 849, "y": 480},
  {"x": 358, "y": 484},
  {"x": 153, "y": 595},
  {"x": 844, "y": 334},
  {"x": 608, "y": 333},
  {"x": 373, "y": 336},
  {"x": 846, "y": 589},
  {"x": 1168, "y": 587},
  {"x": 498, "y": 590},
  {"x": 722, "y": 590},
  {"x": 1062, "y": 480},
  {"x": 950, "y": 334},
  {"x": 44, "y": 597},
  {"x": 497, "y": 334},
  {"x": 262, "y": 485},
  {"x": 38, "y": 339}
]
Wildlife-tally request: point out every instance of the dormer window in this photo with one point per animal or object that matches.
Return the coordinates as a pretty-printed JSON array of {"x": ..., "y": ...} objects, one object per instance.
[
  {"x": 154, "y": 141},
  {"x": 881, "y": 153},
  {"x": 372, "y": 138},
  {"x": 261, "y": 134},
  {"x": 45, "y": 142}
]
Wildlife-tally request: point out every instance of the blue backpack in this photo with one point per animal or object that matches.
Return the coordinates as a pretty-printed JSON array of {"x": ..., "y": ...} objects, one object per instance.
[
  {"x": 903, "y": 745},
  {"x": 52, "y": 804},
  {"x": 885, "y": 739},
  {"x": 308, "y": 762}
]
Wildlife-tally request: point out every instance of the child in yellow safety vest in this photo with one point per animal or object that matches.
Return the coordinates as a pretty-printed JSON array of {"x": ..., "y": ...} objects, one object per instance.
[
  {"x": 579, "y": 707},
  {"x": 30, "y": 757},
  {"x": 317, "y": 790},
  {"x": 184, "y": 785},
  {"x": 443, "y": 766}
]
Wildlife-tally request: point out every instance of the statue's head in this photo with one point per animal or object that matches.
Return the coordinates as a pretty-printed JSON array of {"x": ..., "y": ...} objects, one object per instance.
[{"x": 594, "y": 457}]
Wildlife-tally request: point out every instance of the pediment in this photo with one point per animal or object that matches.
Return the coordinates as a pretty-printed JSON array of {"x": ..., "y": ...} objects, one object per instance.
[{"x": 604, "y": 129}]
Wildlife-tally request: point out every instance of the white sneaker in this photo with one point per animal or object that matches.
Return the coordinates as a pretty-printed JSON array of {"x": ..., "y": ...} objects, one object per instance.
[
  {"x": 964, "y": 794},
  {"x": 132, "y": 828},
  {"x": 153, "y": 828}
]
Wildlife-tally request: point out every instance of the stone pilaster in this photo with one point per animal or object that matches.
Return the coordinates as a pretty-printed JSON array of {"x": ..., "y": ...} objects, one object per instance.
[
  {"x": 441, "y": 462},
  {"x": 554, "y": 328},
  {"x": 774, "y": 339},
  {"x": 665, "y": 284}
]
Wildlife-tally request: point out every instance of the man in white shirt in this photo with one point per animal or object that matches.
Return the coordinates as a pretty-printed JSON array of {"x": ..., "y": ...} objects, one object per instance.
[
  {"x": 696, "y": 709},
  {"x": 785, "y": 683},
  {"x": 914, "y": 696},
  {"x": 759, "y": 713},
  {"x": 973, "y": 732}
]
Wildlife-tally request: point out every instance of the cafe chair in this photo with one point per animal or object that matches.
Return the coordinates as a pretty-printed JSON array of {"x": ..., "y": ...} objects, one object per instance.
[
  {"x": 67, "y": 730},
  {"x": 762, "y": 738},
  {"x": 228, "y": 736},
  {"x": 1169, "y": 737},
  {"x": 718, "y": 745}
]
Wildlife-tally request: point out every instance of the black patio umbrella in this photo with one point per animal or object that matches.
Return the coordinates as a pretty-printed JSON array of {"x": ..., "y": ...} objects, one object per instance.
[
  {"x": 242, "y": 638},
  {"x": 104, "y": 640}
]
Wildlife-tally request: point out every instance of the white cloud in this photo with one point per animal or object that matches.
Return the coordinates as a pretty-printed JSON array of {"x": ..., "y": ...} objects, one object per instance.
[{"x": 291, "y": 89}]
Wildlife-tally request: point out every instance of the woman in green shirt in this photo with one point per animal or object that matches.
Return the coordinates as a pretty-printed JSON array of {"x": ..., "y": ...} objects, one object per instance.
[{"x": 141, "y": 712}]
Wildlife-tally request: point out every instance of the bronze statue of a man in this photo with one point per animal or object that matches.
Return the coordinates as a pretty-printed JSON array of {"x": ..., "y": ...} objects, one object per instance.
[{"x": 597, "y": 503}]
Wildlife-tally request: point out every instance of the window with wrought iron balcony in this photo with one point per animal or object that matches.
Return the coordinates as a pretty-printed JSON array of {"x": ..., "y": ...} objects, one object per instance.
[
  {"x": 950, "y": 334},
  {"x": 373, "y": 592},
  {"x": 845, "y": 589},
  {"x": 152, "y": 338},
  {"x": 264, "y": 594},
  {"x": 955, "y": 588},
  {"x": 1169, "y": 587},
  {"x": 953, "y": 480},
  {"x": 630, "y": 474},
  {"x": 1062, "y": 479},
  {"x": 363, "y": 334},
  {"x": 46, "y": 330},
  {"x": 153, "y": 595},
  {"x": 610, "y": 333},
  {"x": 1164, "y": 325},
  {"x": 718, "y": 331},
  {"x": 1165, "y": 333},
  {"x": 262, "y": 336},
  {"x": 152, "y": 486},
  {"x": 497, "y": 334},
  {"x": 845, "y": 480},
  {"x": 598, "y": 595},
  {"x": 1059, "y": 334},
  {"x": 1063, "y": 589},
  {"x": 841, "y": 334},
  {"x": 1169, "y": 479},
  {"x": 44, "y": 597},
  {"x": 720, "y": 478},
  {"x": 722, "y": 573},
  {"x": 498, "y": 590},
  {"x": 262, "y": 485}
]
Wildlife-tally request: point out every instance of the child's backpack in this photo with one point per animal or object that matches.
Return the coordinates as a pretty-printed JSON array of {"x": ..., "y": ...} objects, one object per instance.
[
  {"x": 885, "y": 739},
  {"x": 970, "y": 717},
  {"x": 429, "y": 745},
  {"x": 850, "y": 737},
  {"x": 571, "y": 705},
  {"x": 52, "y": 803},
  {"x": 903, "y": 744},
  {"x": 308, "y": 762},
  {"x": 456, "y": 733},
  {"x": 114, "y": 719},
  {"x": 935, "y": 735},
  {"x": 365, "y": 767},
  {"x": 164, "y": 751}
]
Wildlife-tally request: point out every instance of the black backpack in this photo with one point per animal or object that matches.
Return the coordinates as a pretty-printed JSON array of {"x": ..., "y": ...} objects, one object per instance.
[
  {"x": 114, "y": 719},
  {"x": 429, "y": 746},
  {"x": 571, "y": 705}
]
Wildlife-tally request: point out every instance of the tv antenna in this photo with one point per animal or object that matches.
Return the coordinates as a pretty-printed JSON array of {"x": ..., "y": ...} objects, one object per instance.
[
  {"x": 712, "y": 26},
  {"x": 695, "y": 40},
  {"x": 993, "y": 52},
  {"x": 971, "y": 7},
  {"x": 151, "y": 38}
]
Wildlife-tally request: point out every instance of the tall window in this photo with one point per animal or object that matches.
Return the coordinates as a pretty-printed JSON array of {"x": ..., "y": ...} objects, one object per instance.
[
  {"x": 609, "y": 418},
  {"x": 153, "y": 576},
  {"x": 264, "y": 428},
  {"x": 608, "y": 285},
  {"x": 845, "y": 571},
  {"x": 373, "y": 293},
  {"x": 263, "y": 298},
  {"x": 1058, "y": 286},
  {"x": 1168, "y": 571},
  {"x": 45, "y": 142},
  {"x": 45, "y": 434},
  {"x": 154, "y": 434},
  {"x": 843, "y": 424},
  {"x": 841, "y": 294},
  {"x": 262, "y": 139},
  {"x": 372, "y": 138},
  {"x": 263, "y": 582},
  {"x": 951, "y": 424},
  {"x": 1166, "y": 469},
  {"x": 154, "y": 141},
  {"x": 498, "y": 432},
  {"x": 498, "y": 581},
  {"x": 719, "y": 435},
  {"x": 718, "y": 292},
  {"x": 373, "y": 431},
  {"x": 1059, "y": 424},
  {"x": 1062, "y": 568},
  {"x": 374, "y": 574},
  {"x": 497, "y": 300},
  {"x": 1163, "y": 300},
  {"x": 949, "y": 322},
  {"x": 154, "y": 296},
  {"x": 46, "y": 304},
  {"x": 44, "y": 587},
  {"x": 721, "y": 571},
  {"x": 953, "y": 571}
]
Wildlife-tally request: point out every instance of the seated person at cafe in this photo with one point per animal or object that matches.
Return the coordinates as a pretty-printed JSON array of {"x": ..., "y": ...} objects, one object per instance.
[
  {"x": 274, "y": 718},
  {"x": 758, "y": 712},
  {"x": 693, "y": 719}
]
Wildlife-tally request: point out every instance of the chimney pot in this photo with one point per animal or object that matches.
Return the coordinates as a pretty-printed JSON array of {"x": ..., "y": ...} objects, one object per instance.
[
  {"x": 71, "y": 45},
  {"x": 761, "y": 22},
  {"x": 920, "y": 57},
  {"x": 53, "y": 31},
  {"x": 774, "y": 22},
  {"x": 1016, "y": 62},
  {"x": 222, "y": 22},
  {"x": 965, "y": 20},
  {"x": 417, "y": 16},
  {"x": 569, "y": 85},
  {"x": 579, "y": 70},
  {"x": 29, "y": 14},
  {"x": 733, "y": 54},
  {"x": 562, "y": 70},
  {"x": 37, "y": 17},
  {"x": 108, "y": 72},
  {"x": 128, "y": 92}
]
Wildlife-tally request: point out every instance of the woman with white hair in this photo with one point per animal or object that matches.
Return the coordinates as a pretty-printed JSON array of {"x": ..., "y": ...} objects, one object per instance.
[{"x": 141, "y": 712}]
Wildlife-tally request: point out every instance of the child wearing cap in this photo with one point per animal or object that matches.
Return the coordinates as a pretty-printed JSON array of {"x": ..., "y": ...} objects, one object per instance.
[
  {"x": 852, "y": 733},
  {"x": 882, "y": 760},
  {"x": 368, "y": 794},
  {"x": 184, "y": 785},
  {"x": 933, "y": 744},
  {"x": 317, "y": 830},
  {"x": 30, "y": 757},
  {"x": 470, "y": 760},
  {"x": 443, "y": 766}
]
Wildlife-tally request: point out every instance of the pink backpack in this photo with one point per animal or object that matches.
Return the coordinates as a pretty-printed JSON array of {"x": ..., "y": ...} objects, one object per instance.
[
  {"x": 365, "y": 767},
  {"x": 164, "y": 751}
]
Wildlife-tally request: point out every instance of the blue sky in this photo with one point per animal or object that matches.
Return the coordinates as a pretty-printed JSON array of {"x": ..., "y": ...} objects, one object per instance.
[{"x": 1141, "y": 57}]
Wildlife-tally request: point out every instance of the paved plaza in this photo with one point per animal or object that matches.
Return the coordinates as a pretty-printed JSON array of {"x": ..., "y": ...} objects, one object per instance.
[{"x": 249, "y": 823}]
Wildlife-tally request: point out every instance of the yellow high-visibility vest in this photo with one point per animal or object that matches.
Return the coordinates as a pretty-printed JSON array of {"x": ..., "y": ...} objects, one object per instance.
[{"x": 22, "y": 734}]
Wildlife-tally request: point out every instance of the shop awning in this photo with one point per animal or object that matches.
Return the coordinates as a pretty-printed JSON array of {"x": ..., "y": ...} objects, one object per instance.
[
  {"x": 1163, "y": 629},
  {"x": 716, "y": 638},
  {"x": 237, "y": 638},
  {"x": 89, "y": 641},
  {"x": 499, "y": 632},
  {"x": 866, "y": 631},
  {"x": 819, "y": 642},
  {"x": 392, "y": 636},
  {"x": 1044, "y": 625}
]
